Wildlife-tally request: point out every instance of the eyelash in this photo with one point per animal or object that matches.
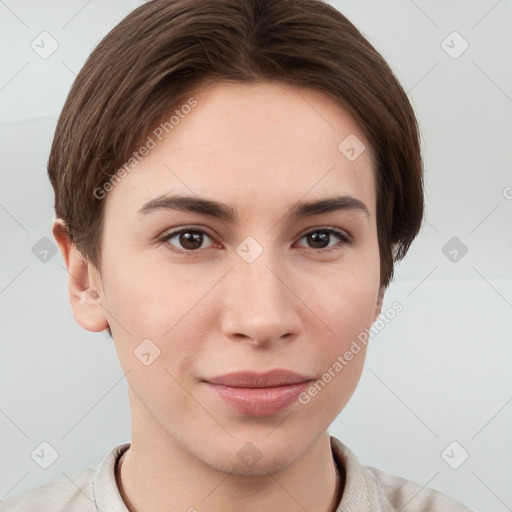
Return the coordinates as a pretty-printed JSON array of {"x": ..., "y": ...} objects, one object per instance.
[{"x": 344, "y": 239}]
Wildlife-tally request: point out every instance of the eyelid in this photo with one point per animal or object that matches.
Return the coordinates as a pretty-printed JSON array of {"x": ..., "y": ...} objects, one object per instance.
[
  {"x": 343, "y": 234},
  {"x": 183, "y": 229},
  {"x": 345, "y": 237}
]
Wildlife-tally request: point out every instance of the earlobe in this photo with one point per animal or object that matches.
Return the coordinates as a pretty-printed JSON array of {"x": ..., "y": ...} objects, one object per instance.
[{"x": 83, "y": 295}]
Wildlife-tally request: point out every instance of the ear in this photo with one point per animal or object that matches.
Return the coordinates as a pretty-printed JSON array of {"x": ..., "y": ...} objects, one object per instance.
[
  {"x": 87, "y": 310},
  {"x": 380, "y": 300}
]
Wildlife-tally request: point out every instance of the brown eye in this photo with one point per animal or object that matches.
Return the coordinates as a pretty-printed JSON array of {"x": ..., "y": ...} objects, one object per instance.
[
  {"x": 187, "y": 240},
  {"x": 322, "y": 238},
  {"x": 190, "y": 240}
]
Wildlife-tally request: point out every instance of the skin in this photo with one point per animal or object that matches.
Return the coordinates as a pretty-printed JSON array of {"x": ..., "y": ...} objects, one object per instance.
[{"x": 260, "y": 148}]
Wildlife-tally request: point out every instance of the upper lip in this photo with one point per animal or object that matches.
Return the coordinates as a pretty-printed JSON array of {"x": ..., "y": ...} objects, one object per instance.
[{"x": 272, "y": 378}]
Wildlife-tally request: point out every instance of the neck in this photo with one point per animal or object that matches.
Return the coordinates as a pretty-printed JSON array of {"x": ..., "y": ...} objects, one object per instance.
[{"x": 161, "y": 476}]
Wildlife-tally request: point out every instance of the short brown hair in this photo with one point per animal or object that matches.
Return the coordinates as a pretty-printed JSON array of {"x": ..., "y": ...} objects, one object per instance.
[{"x": 165, "y": 49}]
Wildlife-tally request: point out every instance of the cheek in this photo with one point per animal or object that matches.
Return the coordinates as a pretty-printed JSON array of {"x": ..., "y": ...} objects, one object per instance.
[
  {"x": 148, "y": 298},
  {"x": 347, "y": 307},
  {"x": 348, "y": 300},
  {"x": 159, "y": 320}
]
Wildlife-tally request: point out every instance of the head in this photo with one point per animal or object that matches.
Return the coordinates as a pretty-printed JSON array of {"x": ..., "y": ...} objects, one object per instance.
[{"x": 254, "y": 111}]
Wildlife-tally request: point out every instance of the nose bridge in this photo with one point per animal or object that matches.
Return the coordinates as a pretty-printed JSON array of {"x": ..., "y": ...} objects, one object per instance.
[
  {"x": 258, "y": 303},
  {"x": 255, "y": 276}
]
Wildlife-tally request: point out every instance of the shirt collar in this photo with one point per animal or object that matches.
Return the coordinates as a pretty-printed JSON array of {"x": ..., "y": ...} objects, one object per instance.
[{"x": 355, "y": 497}]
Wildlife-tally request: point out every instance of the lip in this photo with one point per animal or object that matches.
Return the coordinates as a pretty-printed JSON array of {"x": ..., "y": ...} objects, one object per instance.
[{"x": 259, "y": 394}]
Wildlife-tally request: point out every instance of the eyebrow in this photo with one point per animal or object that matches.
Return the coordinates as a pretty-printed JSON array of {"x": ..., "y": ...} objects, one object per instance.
[{"x": 222, "y": 211}]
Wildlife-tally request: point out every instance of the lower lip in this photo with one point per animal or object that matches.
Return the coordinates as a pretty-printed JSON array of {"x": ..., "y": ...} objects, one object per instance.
[{"x": 259, "y": 401}]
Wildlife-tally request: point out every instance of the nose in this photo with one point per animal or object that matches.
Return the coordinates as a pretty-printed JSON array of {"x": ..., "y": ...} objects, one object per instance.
[{"x": 259, "y": 304}]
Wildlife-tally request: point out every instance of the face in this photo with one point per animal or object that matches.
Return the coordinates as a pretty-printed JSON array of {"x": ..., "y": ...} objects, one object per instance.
[{"x": 192, "y": 296}]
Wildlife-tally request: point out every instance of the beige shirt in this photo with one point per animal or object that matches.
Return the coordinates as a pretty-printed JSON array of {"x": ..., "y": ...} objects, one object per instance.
[{"x": 367, "y": 489}]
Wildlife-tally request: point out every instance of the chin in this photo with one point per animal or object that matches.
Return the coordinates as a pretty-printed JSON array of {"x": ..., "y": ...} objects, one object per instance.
[
  {"x": 266, "y": 464},
  {"x": 255, "y": 454}
]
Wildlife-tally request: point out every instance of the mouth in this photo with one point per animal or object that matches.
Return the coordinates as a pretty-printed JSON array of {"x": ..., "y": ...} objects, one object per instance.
[{"x": 258, "y": 394}]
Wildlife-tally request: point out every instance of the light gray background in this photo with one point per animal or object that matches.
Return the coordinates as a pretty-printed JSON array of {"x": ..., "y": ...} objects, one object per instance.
[{"x": 438, "y": 373}]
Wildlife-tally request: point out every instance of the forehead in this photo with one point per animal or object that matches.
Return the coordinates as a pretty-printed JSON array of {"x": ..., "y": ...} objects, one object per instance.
[{"x": 242, "y": 143}]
